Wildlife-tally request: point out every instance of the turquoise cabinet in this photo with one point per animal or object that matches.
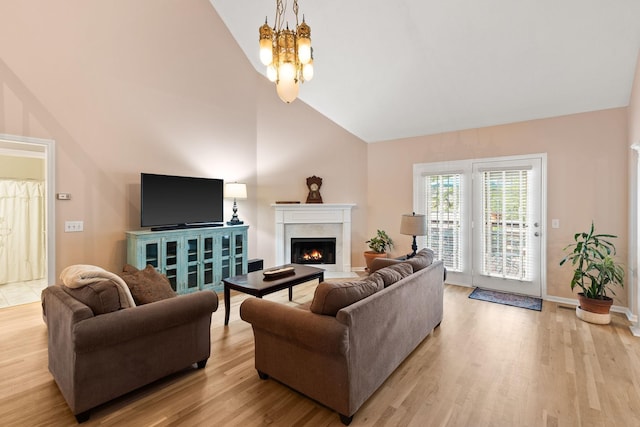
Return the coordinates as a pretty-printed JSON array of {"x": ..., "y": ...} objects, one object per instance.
[{"x": 192, "y": 259}]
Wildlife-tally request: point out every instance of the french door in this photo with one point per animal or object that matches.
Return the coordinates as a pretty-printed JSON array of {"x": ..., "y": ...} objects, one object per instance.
[
  {"x": 507, "y": 225},
  {"x": 485, "y": 220}
]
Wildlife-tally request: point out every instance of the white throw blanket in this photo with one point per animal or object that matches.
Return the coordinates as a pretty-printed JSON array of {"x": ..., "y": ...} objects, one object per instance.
[{"x": 78, "y": 275}]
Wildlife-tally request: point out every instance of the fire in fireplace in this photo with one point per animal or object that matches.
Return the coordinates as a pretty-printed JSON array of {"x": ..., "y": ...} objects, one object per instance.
[{"x": 313, "y": 250}]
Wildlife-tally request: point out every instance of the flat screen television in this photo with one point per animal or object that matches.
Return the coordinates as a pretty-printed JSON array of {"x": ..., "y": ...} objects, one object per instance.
[{"x": 168, "y": 201}]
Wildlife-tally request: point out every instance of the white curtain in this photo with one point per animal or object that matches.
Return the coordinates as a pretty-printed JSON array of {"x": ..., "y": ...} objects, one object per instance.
[{"x": 22, "y": 231}]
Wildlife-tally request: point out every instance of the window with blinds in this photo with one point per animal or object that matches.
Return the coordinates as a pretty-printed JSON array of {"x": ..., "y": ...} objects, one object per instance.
[
  {"x": 505, "y": 222},
  {"x": 443, "y": 210}
]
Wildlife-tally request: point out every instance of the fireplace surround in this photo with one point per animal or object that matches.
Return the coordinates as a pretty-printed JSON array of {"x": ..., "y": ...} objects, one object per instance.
[{"x": 314, "y": 221}]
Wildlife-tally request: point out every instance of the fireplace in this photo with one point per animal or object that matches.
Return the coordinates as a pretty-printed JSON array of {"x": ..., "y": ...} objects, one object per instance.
[
  {"x": 313, "y": 250},
  {"x": 315, "y": 221}
]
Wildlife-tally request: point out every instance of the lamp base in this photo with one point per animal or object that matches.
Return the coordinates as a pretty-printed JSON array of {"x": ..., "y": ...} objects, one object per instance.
[
  {"x": 414, "y": 247},
  {"x": 234, "y": 217}
]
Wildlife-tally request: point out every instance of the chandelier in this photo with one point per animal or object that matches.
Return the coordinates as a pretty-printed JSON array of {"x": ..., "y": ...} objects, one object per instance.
[{"x": 287, "y": 53}]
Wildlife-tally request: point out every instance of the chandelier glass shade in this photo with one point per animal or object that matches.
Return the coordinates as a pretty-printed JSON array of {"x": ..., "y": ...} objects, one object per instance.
[{"x": 286, "y": 53}]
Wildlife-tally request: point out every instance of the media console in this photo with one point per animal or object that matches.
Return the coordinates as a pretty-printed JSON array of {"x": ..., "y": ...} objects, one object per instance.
[{"x": 193, "y": 258}]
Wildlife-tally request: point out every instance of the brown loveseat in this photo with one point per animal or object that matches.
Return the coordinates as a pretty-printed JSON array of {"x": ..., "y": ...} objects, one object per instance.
[
  {"x": 341, "y": 350},
  {"x": 96, "y": 354}
]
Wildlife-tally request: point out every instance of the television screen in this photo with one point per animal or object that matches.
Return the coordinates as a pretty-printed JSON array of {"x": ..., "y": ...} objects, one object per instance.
[{"x": 178, "y": 201}]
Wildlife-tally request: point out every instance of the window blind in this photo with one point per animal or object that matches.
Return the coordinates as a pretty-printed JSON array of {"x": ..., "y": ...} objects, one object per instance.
[
  {"x": 443, "y": 210},
  {"x": 506, "y": 224}
]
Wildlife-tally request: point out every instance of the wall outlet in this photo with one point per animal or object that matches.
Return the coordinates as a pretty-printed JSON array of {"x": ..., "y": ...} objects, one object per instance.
[
  {"x": 555, "y": 223},
  {"x": 73, "y": 226}
]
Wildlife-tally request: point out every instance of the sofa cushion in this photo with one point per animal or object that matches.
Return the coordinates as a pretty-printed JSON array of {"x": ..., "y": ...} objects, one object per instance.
[
  {"x": 101, "y": 297},
  {"x": 423, "y": 259},
  {"x": 146, "y": 285},
  {"x": 393, "y": 273},
  {"x": 330, "y": 297},
  {"x": 378, "y": 263},
  {"x": 405, "y": 269},
  {"x": 377, "y": 279}
]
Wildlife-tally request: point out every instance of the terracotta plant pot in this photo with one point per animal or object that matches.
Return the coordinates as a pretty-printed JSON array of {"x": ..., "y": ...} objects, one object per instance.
[
  {"x": 370, "y": 255},
  {"x": 599, "y": 306}
]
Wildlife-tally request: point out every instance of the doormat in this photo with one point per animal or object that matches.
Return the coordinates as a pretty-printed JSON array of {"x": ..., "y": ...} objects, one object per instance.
[{"x": 530, "y": 303}]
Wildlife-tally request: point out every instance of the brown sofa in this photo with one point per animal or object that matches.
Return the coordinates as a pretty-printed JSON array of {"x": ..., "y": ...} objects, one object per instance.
[
  {"x": 97, "y": 357},
  {"x": 342, "y": 357}
]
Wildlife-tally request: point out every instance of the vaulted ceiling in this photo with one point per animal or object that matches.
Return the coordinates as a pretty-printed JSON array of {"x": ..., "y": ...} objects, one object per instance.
[{"x": 394, "y": 69}]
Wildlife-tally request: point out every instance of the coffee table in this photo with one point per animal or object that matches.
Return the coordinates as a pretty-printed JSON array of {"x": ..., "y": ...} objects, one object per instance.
[{"x": 256, "y": 284}]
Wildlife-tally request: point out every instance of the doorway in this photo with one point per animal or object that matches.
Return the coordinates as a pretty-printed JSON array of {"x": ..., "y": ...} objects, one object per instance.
[
  {"x": 27, "y": 231},
  {"x": 506, "y": 232},
  {"x": 485, "y": 220}
]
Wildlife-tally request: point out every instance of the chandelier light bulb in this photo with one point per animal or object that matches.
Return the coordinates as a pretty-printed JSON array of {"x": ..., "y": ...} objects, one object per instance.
[
  {"x": 304, "y": 50},
  {"x": 266, "y": 43},
  {"x": 288, "y": 90},
  {"x": 266, "y": 51},
  {"x": 286, "y": 72},
  {"x": 307, "y": 71},
  {"x": 272, "y": 73}
]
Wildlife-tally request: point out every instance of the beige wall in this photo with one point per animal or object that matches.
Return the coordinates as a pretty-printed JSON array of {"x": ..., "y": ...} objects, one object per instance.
[
  {"x": 587, "y": 176},
  {"x": 295, "y": 142},
  {"x": 157, "y": 86}
]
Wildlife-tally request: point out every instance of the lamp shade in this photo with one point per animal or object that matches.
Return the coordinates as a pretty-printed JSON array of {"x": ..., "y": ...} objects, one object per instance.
[
  {"x": 413, "y": 225},
  {"x": 235, "y": 190}
]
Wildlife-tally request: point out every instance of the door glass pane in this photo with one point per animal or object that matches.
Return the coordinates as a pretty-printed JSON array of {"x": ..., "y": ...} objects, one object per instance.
[
  {"x": 443, "y": 207},
  {"x": 505, "y": 222}
]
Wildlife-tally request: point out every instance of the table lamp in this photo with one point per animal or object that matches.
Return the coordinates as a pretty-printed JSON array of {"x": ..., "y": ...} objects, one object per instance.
[
  {"x": 413, "y": 225},
  {"x": 235, "y": 190}
]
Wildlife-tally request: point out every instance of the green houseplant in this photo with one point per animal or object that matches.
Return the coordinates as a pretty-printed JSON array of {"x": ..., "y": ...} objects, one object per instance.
[
  {"x": 378, "y": 245},
  {"x": 595, "y": 269}
]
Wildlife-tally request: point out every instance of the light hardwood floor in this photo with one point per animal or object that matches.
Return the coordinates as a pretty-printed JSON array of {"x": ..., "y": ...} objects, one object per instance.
[{"x": 486, "y": 365}]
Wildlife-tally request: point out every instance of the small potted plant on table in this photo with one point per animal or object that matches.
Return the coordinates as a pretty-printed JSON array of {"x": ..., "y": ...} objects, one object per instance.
[
  {"x": 595, "y": 272},
  {"x": 378, "y": 245}
]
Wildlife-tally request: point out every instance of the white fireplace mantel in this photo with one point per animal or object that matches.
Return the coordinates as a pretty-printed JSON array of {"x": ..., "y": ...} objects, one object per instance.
[{"x": 314, "y": 220}]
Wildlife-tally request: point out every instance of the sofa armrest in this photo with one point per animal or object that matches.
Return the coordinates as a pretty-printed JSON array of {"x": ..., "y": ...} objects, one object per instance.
[
  {"x": 129, "y": 323},
  {"x": 306, "y": 329},
  {"x": 58, "y": 305}
]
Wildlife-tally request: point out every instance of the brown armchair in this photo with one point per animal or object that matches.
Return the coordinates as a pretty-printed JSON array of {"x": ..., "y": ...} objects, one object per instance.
[{"x": 96, "y": 358}]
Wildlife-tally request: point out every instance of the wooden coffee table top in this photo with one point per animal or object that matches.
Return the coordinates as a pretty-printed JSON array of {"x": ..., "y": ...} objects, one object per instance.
[{"x": 255, "y": 283}]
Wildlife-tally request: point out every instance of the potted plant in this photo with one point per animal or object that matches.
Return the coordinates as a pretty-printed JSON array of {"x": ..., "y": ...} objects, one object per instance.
[
  {"x": 595, "y": 270},
  {"x": 378, "y": 245}
]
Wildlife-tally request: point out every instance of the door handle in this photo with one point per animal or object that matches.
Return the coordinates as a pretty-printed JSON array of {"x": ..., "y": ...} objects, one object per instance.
[{"x": 536, "y": 234}]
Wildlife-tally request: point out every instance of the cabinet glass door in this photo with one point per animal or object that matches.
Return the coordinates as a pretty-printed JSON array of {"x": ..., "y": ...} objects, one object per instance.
[
  {"x": 207, "y": 261},
  {"x": 192, "y": 264},
  {"x": 151, "y": 254},
  {"x": 238, "y": 254},
  {"x": 171, "y": 262},
  {"x": 226, "y": 256}
]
